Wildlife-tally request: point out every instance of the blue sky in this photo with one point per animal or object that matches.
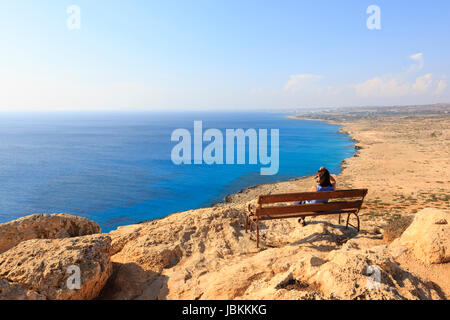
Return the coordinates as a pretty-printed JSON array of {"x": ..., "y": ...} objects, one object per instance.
[{"x": 227, "y": 55}]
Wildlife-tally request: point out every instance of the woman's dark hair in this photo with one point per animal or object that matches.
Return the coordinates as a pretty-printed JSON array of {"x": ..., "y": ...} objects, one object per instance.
[{"x": 324, "y": 178}]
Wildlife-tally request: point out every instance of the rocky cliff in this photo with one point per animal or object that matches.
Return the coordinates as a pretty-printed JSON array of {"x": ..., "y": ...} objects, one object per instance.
[{"x": 206, "y": 254}]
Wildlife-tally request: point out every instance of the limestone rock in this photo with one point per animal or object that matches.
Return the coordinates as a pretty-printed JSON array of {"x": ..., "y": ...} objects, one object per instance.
[
  {"x": 122, "y": 235},
  {"x": 364, "y": 274},
  {"x": 428, "y": 236},
  {"x": 206, "y": 254},
  {"x": 129, "y": 281},
  {"x": 44, "y": 266},
  {"x": 11, "y": 291},
  {"x": 144, "y": 253},
  {"x": 44, "y": 226}
]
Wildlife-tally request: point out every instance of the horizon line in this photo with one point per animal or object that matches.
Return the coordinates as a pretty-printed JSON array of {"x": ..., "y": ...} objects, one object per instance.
[{"x": 270, "y": 110}]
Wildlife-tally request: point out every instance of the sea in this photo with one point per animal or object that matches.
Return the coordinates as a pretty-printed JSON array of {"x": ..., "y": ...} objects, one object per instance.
[{"x": 116, "y": 168}]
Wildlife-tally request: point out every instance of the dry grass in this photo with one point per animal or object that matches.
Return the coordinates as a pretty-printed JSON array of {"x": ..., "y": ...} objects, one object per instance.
[{"x": 396, "y": 227}]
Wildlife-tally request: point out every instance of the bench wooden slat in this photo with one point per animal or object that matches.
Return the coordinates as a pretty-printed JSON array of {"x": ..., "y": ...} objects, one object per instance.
[
  {"x": 306, "y": 214},
  {"x": 306, "y": 196},
  {"x": 315, "y": 207}
]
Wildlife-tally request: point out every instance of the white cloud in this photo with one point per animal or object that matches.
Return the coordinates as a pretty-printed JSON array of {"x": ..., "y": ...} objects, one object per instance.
[
  {"x": 418, "y": 57},
  {"x": 399, "y": 86},
  {"x": 403, "y": 88},
  {"x": 442, "y": 85},
  {"x": 301, "y": 82},
  {"x": 422, "y": 84},
  {"x": 395, "y": 86},
  {"x": 389, "y": 87}
]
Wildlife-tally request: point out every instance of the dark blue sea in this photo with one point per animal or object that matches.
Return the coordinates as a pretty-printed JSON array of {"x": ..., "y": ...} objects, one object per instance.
[{"x": 116, "y": 168}]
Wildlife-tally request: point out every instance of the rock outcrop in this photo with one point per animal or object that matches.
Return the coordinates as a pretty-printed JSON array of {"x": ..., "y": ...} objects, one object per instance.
[
  {"x": 206, "y": 254},
  {"x": 369, "y": 274},
  {"x": 144, "y": 253},
  {"x": 42, "y": 268},
  {"x": 428, "y": 236},
  {"x": 44, "y": 226}
]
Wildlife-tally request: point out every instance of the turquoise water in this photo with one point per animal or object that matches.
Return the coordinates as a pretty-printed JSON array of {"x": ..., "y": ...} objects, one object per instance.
[{"x": 115, "y": 168}]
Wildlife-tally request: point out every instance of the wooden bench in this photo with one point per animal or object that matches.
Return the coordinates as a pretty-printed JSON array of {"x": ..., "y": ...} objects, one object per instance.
[{"x": 271, "y": 207}]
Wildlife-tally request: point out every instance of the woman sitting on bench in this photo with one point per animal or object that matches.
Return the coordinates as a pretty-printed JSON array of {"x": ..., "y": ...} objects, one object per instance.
[
  {"x": 332, "y": 180},
  {"x": 325, "y": 182}
]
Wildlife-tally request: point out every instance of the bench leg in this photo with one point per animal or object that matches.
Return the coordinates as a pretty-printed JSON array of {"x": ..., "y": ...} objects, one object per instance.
[
  {"x": 249, "y": 212},
  {"x": 357, "y": 218},
  {"x": 257, "y": 234},
  {"x": 339, "y": 221}
]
